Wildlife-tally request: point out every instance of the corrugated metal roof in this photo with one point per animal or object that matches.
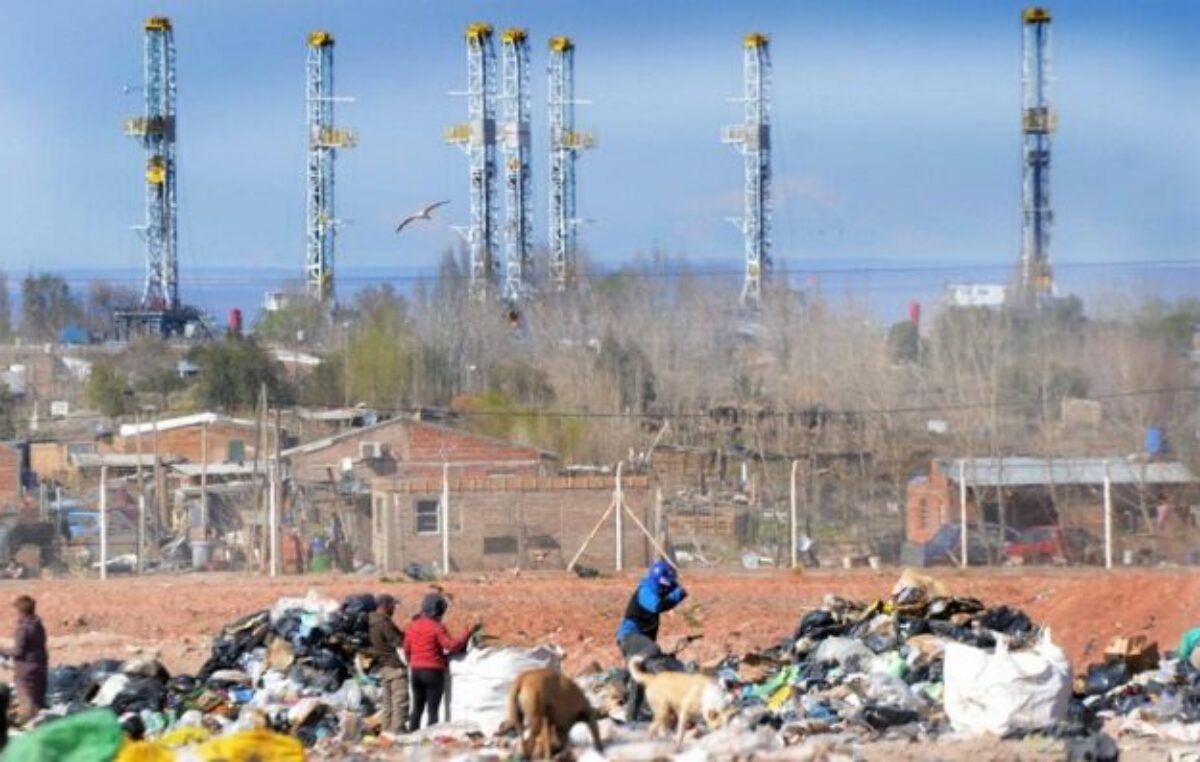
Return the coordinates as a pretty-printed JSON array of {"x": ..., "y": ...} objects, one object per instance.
[
  {"x": 1027, "y": 472},
  {"x": 112, "y": 459},
  {"x": 183, "y": 421}
]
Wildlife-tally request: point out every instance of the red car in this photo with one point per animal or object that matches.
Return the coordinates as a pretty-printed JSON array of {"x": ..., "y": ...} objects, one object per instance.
[{"x": 1050, "y": 543}]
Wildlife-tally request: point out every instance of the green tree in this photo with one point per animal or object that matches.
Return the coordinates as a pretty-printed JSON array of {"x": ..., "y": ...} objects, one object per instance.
[
  {"x": 379, "y": 359},
  {"x": 106, "y": 389},
  {"x": 162, "y": 383},
  {"x": 904, "y": 342},
  {"x": 1172, "y": 323},
  {"x": 325, "y": 385},
  {"x": 47, "y": 306},
  {"x": 232, "y": 371},
  {"x": 301, "y": 320}
]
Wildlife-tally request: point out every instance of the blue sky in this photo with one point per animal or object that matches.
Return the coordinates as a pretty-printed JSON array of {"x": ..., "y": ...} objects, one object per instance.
[{"x": 896, "y": 128}]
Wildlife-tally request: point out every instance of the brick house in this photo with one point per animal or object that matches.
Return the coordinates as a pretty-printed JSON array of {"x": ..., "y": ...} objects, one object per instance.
[
  {"x": 403, "y": 448},
  {"x": 1027, "y": 492},
  {"x": 186, "y": 437},
  {"x": 509, "y": 522}
]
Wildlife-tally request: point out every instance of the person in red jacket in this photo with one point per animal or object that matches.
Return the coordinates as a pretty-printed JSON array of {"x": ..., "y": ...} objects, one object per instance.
[{"x": 427, "y": 644}]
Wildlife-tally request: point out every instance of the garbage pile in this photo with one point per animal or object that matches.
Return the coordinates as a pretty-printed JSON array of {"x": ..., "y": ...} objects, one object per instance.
[
  {"x": 924, "y": 664},
  {"x": 289, "y": 677},
  {"x": 921, "y": 664}
]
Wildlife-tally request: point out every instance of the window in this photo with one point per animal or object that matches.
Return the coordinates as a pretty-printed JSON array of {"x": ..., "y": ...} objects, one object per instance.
[
  {"x": 429, "y": 516},
  {"x": 499, "y": 546},
  {"x": 923, "y": 512}
]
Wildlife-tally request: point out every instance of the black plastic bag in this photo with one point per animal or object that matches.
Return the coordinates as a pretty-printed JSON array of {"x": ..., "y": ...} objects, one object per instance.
[
  {"x": 880, "y": 717},
  {"x": 63, "y": 683},
  {"x": 1009, "y": 621},
  {"x": 141, "y": 693},
  {"x": 1102, "y": 678}
]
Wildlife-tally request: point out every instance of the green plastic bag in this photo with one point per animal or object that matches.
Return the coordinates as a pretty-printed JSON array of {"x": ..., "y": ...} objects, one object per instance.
[
  {"x": 92, "y": 736},
  {"x": 1188, "y": 643}
]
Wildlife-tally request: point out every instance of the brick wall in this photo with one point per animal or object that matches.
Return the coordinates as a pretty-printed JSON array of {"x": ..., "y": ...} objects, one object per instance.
[
  {"x": 187, "y": 443},
  {"x": 525, "y": 522},
  {"x": 10, "y": 476},
  {"x": 932, "y": 503}
]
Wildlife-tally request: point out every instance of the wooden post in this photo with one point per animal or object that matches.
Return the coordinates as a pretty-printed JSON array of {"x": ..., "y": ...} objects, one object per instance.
[
  {"x": 795, "y": 560},
  {"x": 618, "y": 500},
  {"x": 962, "y": 512},
  {"x": 445, "y": 519},
  {"x": 103, "y": 522},
  {"x": 1108, "y": 544}
]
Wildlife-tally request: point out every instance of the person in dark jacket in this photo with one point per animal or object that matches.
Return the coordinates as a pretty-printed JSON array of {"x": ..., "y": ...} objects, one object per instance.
[
  {"x": 386, "y": 641},
  {"x": 657, "y": 592},
  {"x": 427, "y": 644},
  {"x": 31, "y": 662}
]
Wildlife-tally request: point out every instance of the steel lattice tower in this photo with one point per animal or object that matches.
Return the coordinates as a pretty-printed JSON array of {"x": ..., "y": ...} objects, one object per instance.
[
  {"x": 155, "y": 129},
  {"x": 1038, "y": 122},
  {"x": 324, "y": 140},
  {"x": 753, "y": 140},
  {"x": 565, "y": 144},
  {"x": 477, "y": 137},
  {"x": 518, "y": 200}
]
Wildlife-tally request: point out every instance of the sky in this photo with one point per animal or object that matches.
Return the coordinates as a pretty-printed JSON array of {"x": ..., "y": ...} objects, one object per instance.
[{"x": 896, "y": 128}]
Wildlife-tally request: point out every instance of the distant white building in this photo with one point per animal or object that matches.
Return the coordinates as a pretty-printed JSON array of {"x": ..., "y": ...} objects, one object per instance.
[{"x": 975, "y": 295}]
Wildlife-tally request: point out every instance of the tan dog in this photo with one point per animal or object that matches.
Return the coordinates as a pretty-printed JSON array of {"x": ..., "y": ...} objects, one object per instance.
[
  {"x": 681, "y": 696},
  {"x": 543, "y": 706}
]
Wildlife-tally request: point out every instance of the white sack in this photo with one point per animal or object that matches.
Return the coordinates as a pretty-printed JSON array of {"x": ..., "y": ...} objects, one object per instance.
[
  {"x": 1004, "y": 691},
  {"x": 479, "y": 682}
]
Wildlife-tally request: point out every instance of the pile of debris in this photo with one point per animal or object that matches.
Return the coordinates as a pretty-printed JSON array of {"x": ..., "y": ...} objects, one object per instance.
[
  {"x": 922, "y": 664},
  {"x": 293, "y": 670}
]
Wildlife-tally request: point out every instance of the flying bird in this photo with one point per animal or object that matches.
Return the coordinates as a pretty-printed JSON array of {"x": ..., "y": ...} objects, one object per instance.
[{"x": 424, "y": 214}]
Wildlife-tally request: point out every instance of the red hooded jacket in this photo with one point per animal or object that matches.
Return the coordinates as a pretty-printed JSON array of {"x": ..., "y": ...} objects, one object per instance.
[{"x": 427, "y": 642}]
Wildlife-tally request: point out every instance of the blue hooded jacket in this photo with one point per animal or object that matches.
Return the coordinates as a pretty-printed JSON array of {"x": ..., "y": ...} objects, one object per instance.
[{"x": 657, "y": 592}]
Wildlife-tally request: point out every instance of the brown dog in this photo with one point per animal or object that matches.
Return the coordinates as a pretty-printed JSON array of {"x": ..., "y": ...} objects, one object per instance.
[{"x": 543, "y": 706}]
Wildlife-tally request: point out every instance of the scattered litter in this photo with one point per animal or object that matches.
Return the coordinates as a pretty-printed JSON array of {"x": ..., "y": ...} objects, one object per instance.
[{"x": 290, "y": 683}]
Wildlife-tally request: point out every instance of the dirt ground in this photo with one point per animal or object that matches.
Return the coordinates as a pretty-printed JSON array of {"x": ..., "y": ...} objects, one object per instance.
[{"x": 736, "y": 612}]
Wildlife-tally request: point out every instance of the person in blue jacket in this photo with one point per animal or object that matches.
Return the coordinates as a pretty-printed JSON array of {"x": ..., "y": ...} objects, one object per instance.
[{"x": 657, "y": 592}]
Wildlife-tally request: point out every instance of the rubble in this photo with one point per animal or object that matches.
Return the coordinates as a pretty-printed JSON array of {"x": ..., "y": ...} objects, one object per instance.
[{"x": 920, "y": 665}]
